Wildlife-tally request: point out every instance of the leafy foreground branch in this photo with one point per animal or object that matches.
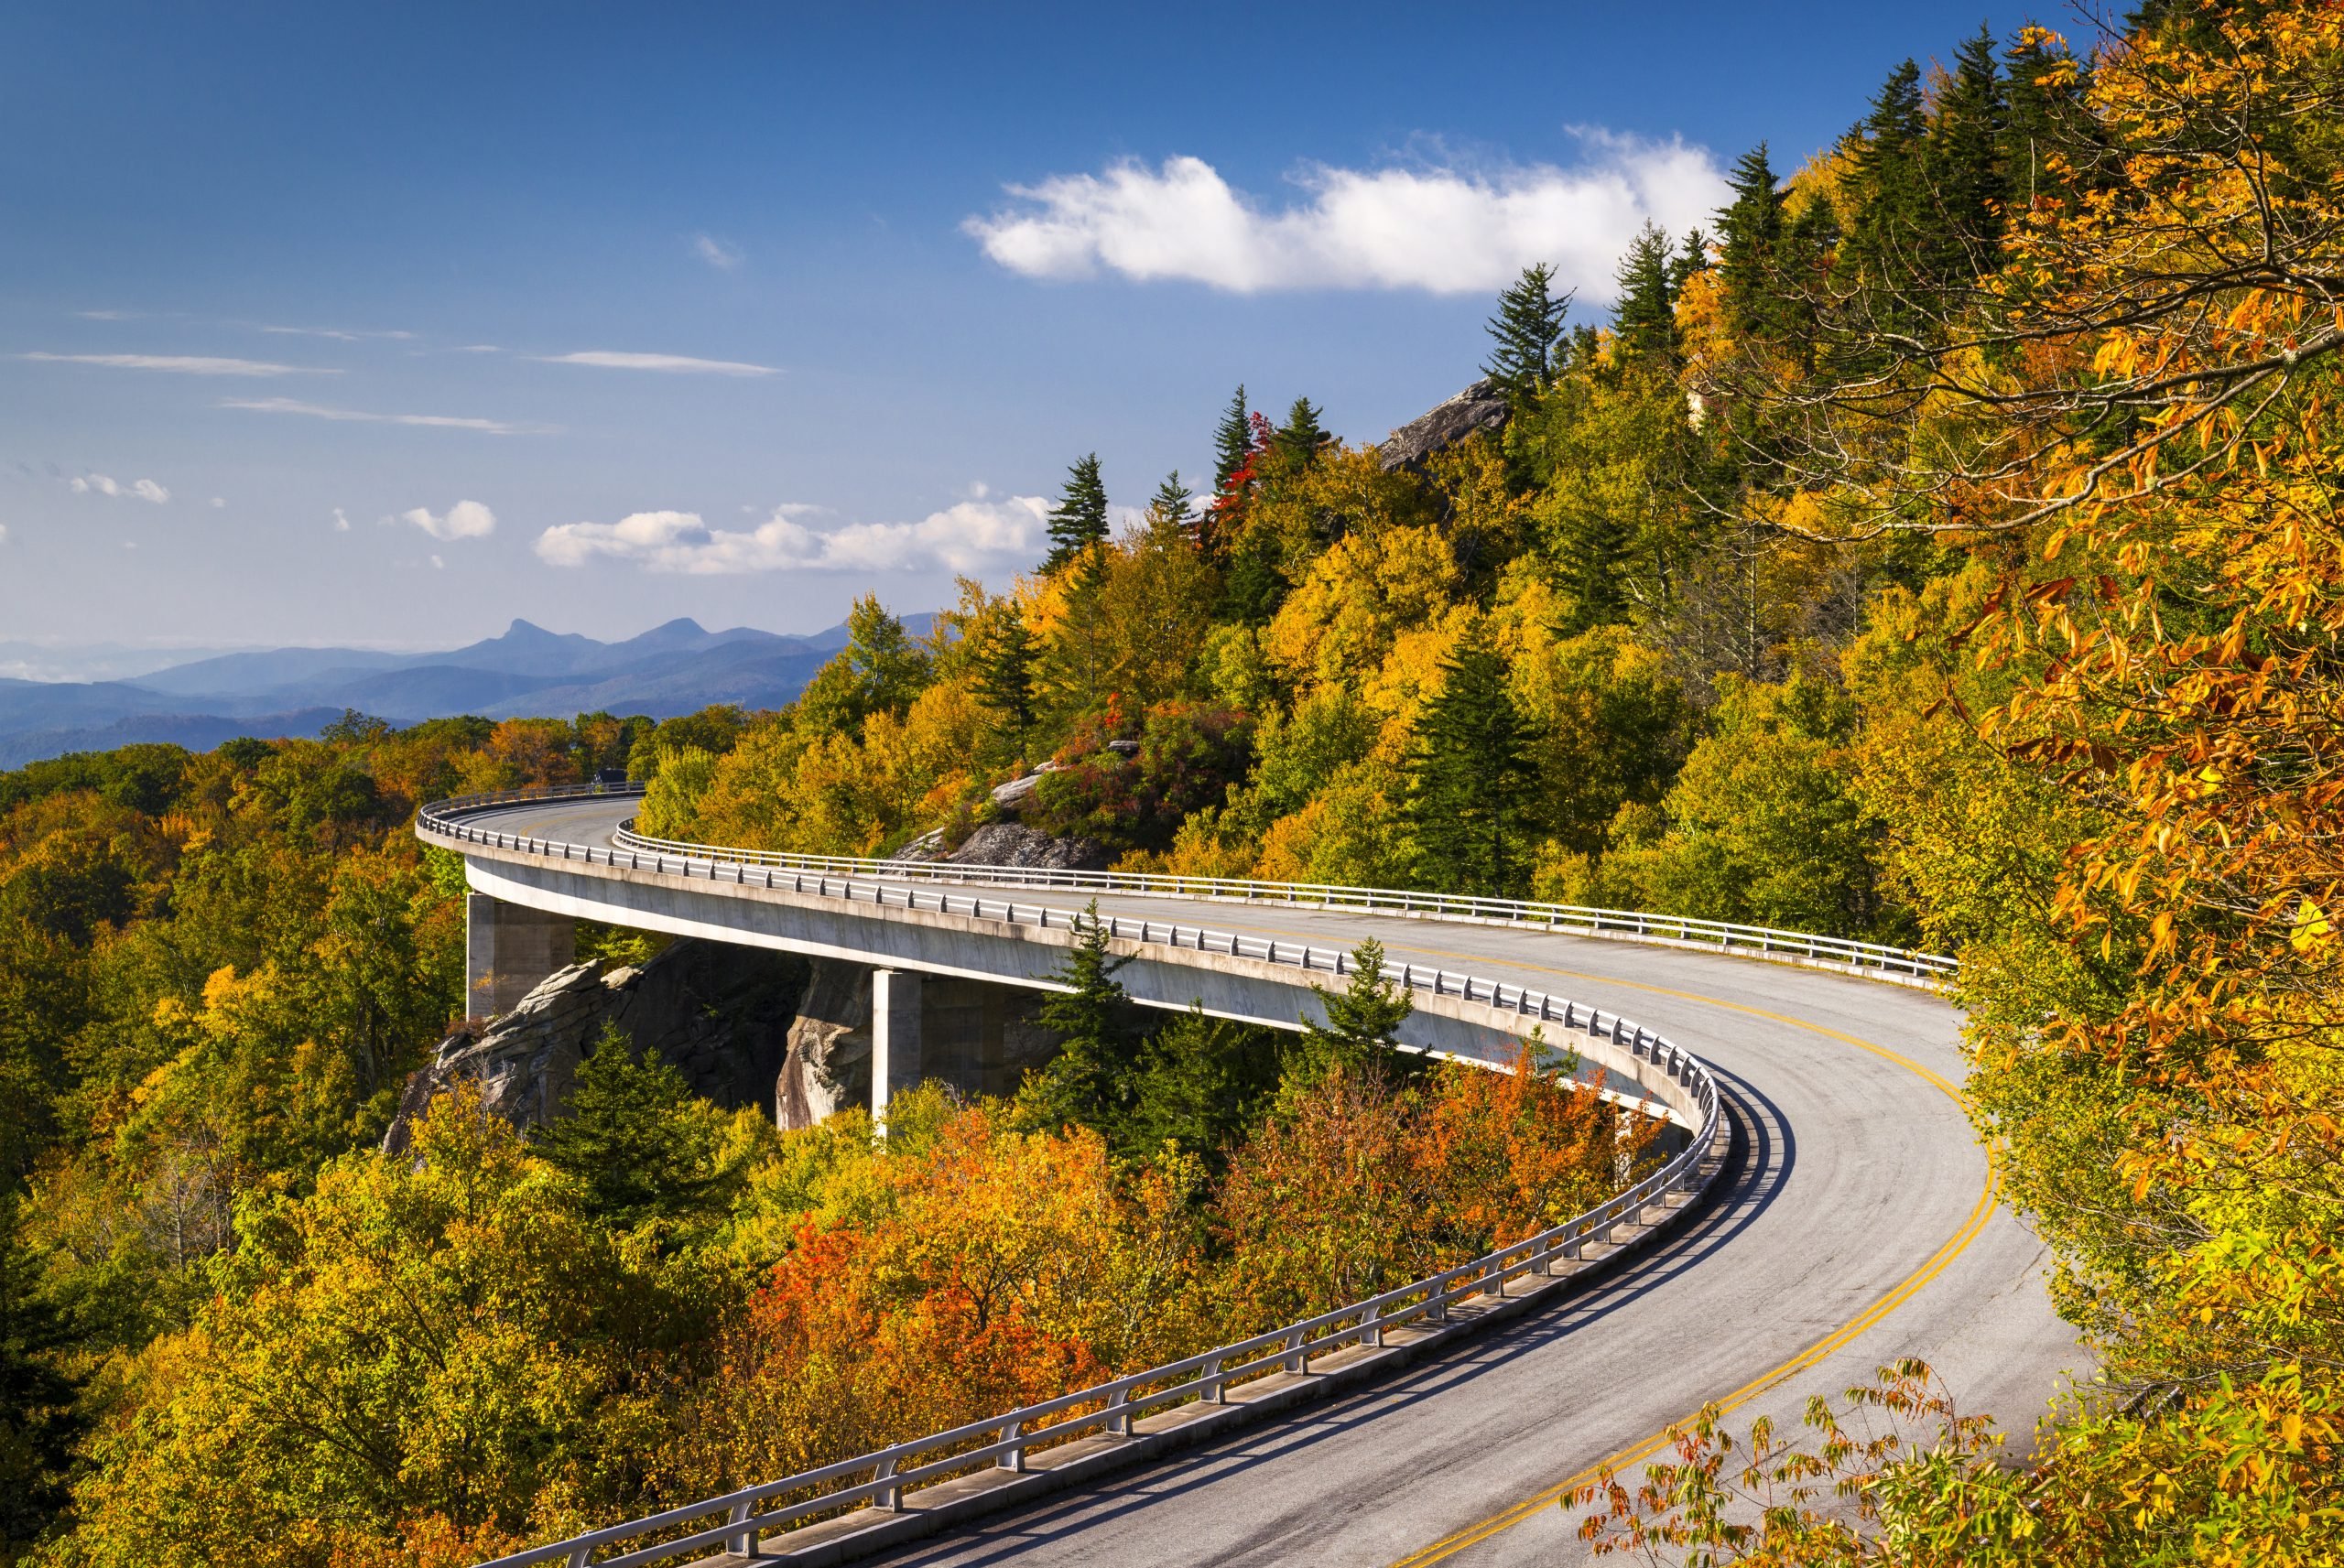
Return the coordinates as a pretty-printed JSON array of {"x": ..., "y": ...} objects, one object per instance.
[{"x": 1901, "y": 1475}]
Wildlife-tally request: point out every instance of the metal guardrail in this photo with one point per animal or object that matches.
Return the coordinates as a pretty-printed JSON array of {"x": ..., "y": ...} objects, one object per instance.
[
  {"x": 1757, "y": 941},
  {"x": 879, "y": 1479}
]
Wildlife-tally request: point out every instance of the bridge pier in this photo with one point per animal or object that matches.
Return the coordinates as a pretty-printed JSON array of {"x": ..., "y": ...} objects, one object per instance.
[
  {"x": 894, "y": 1036},
  {"x": 509, "y": 949}
]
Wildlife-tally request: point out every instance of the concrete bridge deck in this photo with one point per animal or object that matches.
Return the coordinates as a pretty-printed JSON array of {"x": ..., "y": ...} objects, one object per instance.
[{"x": 1858, "y": 1225}]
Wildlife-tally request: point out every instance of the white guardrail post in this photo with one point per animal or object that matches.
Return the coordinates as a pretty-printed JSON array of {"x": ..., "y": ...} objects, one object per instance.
[{"x": 738, "y": 1522}]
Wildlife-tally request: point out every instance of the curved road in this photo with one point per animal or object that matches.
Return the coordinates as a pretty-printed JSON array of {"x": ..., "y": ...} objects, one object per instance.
[{"x": 1856, "y": 1226}]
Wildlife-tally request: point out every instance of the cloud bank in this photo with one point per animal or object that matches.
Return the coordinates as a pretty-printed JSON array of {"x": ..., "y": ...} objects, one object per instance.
[
  {"x": 973, "y": 537},
  {"x": 140, "y": 490},
  {"x": 465, "y": 520},
  {"x": 675, "y": 364},
  {"x": 1444, "y": 230}
]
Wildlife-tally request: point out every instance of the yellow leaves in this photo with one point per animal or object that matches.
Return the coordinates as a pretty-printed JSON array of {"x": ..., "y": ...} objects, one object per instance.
[
  {"x": 2312, "y": 930},
  {"x": 1356, "y": 601}
]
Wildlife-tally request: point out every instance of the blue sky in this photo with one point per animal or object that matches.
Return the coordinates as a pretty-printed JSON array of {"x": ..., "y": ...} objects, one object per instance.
[{"x": 389, "y": 324}]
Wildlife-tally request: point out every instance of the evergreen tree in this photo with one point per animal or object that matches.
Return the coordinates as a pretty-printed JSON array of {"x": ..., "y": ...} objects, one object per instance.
[
  {"x": 1887, "y": 232},
  {"x": 1691, "y": 259},
  {"x": 1965, "y": 161},
  {"x": 1298, "y": 440},
  {"x": 1079, "y": 519},
  {"x": 1358, "y": 1027},
  {"x": 1233, "y": 441},
  {"x": 1750, "y": 232},
  {"x": 2045, "y": 132},
  {"x": 1090, "y": 1082},
  {"x": 38, "y": 1422},
  {"x": 1469, "y": 786},
  {"x": 1526, "y": 330},
  {"x": 1005, "y": 670},
  {"x": 1202, "y": 1083},
  {"x": 1171, "y": 501},
  {"x": 634, "y": 1137},
  {"x": 1644, "y": 322}
]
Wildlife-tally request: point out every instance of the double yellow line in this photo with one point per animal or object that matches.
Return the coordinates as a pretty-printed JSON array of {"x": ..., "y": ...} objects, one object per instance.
[{"x": 1983, "y": 1211}]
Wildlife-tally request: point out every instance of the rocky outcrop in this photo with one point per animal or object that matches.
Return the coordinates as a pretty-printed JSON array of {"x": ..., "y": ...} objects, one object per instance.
[
  {"x": 1014, "y": 844},
  {"x": 827, "y": 1064},
  {"x": 1480, "y": 406},
  {"x": 725, "y": 1016}
]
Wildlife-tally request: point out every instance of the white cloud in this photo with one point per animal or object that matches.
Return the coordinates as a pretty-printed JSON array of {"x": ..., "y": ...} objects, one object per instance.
[
  {"x": 336, "y": 333},
  {"x": 465, "y": 520},
  {"x": 99, "y": 484},
  {"x": 185, "y": 365},
  {"x": 218, "y": 502},
  {"x": 1445, "y": 229},
  {"x": 438, "y": 565},
  {"x": 341, "y": 521},
  {"x": 105, "y": 315},
  {"x": 3, "y": 532},
  {"x": 436, "y": 421},
  {"x": 716, "y": 253},
  {"x": 971, "y": 536},
  {"x": 611, "y": 359}
]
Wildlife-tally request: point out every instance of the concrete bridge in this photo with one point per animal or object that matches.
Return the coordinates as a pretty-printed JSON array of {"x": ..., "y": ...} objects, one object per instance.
[{"x": 1849, "y": 1217}]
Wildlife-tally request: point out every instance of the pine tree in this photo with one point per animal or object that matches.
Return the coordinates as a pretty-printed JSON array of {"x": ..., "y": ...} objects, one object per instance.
[
  {"x": 1749, "y": 231},
  {"x": 1079, "y": 519},
  {"x": 1692, "y": 259},
  {"x": 1298, "y": 440},
  {"x": 634, "y": 1139},
  {"x": 1527, "y": 329},
  {"x": 1089, "y": 1083},
  {"x": 1005, "y": 670},
  {"x": 1233, "y": 441},
  {"x": 1170, "y": 503},
  {"x": 1644, "y": 322},
  {"x": 1469, "y": 787}
]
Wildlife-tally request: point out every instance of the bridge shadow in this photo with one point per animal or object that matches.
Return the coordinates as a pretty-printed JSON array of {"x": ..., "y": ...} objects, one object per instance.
[{"x": 1758, "y": 1168}]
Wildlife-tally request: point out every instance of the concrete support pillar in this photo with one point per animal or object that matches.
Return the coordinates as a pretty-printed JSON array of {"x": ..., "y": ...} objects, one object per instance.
[
  {"x": 894, "y": 1036},
  {"x": 509, "y": 950}
]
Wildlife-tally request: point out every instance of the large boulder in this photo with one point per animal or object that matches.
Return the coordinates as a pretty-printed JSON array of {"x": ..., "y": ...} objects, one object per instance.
[{"x": 1480, "y": 406}]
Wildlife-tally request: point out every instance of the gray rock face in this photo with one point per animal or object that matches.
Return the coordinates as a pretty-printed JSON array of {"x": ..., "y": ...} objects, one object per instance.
[
  {"x": 1014, "y": 844},
  {"x": 725, "y": 1016},
  {"x": 1480, "y": 406},
  {"x": 828, "y": 1061}
]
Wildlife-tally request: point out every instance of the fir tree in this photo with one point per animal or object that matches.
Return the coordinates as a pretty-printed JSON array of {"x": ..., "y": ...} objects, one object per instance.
[
  {"x": 1692, "y": 258},
  {"x": 1170, "y": 503},
  {"x": 1965, "y": 161},
  {"x": 1005, "y": 670},
  {"x": 1079, "y": 519},
  {"x": 1469, "y": 786},
  {"x": 1750, "y": 233},
  {"x": 1090, "y": 1082},
  {"x": 1644, "y": 322},
  {"x": 1233, "y": 441},
  {"x": 633, "y": 1137},
  {"x": 1298, "y": 440},
  {"x": 1887, "y": 235},
  {"x": 1357, "y": 1026},
  {"x": 1526, "y": 330}
]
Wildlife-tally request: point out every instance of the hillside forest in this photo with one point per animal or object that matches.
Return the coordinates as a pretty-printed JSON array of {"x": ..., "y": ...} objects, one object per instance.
[{"x": 1938, "y": 547}]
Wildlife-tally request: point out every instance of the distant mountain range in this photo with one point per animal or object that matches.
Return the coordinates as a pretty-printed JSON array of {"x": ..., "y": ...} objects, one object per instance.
[{"x": 529, "y": 672}]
